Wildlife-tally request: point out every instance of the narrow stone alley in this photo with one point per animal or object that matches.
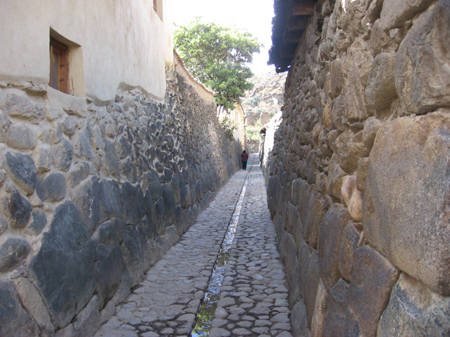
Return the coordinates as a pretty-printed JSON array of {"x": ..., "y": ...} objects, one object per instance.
[{"x": 249, "y": 299}]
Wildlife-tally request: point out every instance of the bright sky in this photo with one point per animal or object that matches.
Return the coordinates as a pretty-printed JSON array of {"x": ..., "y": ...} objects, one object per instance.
[{"x": 254, "y": 16}]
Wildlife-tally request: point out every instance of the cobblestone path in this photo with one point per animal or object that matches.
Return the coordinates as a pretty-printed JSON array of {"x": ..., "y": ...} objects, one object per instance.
[{"x": 253, "y": 295}]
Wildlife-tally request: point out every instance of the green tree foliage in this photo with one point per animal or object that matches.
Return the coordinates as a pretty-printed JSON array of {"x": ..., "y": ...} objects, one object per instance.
[{"x": 218, "y": 57}]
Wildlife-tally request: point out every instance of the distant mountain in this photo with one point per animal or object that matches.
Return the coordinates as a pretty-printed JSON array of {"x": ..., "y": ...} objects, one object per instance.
[
  {"x": 262, "y": 103},
  {"x": 265, "y": 99}
]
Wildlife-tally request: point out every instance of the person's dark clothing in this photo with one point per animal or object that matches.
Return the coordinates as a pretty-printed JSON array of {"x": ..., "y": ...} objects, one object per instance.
[{"x": 244, "y": 157}]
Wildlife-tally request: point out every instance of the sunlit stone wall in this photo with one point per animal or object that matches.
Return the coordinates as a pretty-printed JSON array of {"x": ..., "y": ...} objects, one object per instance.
[{"x": 358, "y": 178}]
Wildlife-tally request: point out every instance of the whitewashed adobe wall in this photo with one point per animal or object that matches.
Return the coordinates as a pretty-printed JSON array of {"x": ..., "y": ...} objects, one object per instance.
[
  {"x": 237, "y": 119},
  {"x": 122, "y": 43}
]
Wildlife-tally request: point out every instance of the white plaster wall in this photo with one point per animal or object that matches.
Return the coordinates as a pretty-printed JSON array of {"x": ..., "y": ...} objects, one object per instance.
[
  {"x": 239, "y": 132},
  {"x": 238, "y": 119},
  {"x": 124, "y": 42}
]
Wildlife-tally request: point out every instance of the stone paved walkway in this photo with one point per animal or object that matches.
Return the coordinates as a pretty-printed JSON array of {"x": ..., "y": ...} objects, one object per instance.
[{"x": 253, "y": 297}]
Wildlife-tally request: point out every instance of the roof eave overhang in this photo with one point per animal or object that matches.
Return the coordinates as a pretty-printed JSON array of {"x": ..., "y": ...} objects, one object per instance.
[{"x": 290, "y": 21}]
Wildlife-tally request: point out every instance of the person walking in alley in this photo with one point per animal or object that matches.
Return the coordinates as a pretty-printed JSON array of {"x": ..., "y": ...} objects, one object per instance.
[{"x": 244, "y": 157}]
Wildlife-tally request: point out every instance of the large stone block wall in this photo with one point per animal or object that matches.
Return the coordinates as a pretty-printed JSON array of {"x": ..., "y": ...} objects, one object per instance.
[
  {"x": 358, "y": 179},
  {"x": 92, "y": 196}
]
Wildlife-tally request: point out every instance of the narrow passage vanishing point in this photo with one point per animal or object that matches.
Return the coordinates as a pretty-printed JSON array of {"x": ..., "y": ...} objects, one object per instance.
[{"x": 251, "y": 294}]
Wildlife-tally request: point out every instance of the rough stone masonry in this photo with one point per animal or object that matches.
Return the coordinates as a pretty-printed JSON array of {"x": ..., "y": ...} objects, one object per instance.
[
  {"x": 92, "y": 196},
  {"x": 358, "y": 178}
]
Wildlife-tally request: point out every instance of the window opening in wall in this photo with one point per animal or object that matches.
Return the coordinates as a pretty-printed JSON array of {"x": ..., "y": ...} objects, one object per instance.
[
  {"x": 59, "y": 66},
  {"x": 66, "y": 65}
]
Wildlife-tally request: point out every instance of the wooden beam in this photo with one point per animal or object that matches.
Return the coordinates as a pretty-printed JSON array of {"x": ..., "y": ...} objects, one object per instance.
[
  {"x": 297, "y": 24},
  {"x": 303, "y": 9},
  {"x": 292, "y": 39},
  {"x": 288, "y": 51}
]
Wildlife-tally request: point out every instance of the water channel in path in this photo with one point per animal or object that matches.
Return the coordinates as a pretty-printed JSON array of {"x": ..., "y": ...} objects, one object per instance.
[{"x": 208, "y": 306}]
